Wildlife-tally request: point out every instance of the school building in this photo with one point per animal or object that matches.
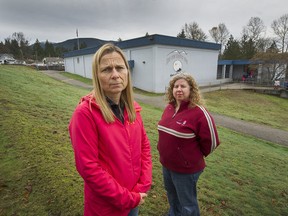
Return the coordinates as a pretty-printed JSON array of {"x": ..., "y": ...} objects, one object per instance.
[{"x": 155, "y": 58}]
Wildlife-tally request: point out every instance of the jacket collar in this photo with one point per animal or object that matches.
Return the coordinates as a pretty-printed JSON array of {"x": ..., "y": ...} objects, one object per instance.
[{"x": 184, "y": 104}]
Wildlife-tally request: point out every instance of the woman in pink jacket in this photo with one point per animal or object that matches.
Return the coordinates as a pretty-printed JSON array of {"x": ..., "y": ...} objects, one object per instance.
[{"x": 112, "y": 150}]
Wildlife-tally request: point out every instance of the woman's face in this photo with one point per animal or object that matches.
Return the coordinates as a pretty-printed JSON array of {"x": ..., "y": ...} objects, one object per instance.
[
  {"x": 113, "y": 74},
  {"x": 181, "y": 91}
]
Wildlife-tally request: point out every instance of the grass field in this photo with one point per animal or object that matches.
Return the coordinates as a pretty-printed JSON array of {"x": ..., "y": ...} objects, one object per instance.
[
  {"x": 244, "y": 176},
  {"x": 246, "y": 105},
  {"x": 250, "y": 106}
]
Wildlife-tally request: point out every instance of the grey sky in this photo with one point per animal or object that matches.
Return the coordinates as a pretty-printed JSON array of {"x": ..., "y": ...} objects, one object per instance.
[{"x": 57, "y": 20}]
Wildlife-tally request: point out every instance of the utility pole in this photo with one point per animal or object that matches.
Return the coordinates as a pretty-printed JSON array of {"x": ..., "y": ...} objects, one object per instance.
[{"x": 77, "y": 39}]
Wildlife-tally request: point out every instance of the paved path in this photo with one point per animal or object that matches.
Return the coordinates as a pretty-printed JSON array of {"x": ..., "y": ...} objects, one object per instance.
[{"x": 256, "y": 130}]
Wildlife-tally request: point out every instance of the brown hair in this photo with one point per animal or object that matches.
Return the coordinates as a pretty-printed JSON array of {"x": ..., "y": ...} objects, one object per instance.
[
  {"x": 195, "y": 95},
  {"x": 98, "y": 93}
]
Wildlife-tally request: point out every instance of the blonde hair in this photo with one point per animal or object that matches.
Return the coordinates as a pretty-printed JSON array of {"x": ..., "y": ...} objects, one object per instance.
[
  {"x": 195, "y": 97},
  {"x": 98, "y": 93}
]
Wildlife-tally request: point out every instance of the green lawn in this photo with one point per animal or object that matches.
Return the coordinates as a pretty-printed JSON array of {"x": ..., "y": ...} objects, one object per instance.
[
  {"x": 250, "y": 106},
  {"x": 246, "y": 105},
  {"x": 244, "y": 176}
]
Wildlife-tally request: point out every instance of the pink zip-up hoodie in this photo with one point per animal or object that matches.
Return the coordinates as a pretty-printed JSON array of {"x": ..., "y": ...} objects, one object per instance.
[{"x": 114, "y": 159}]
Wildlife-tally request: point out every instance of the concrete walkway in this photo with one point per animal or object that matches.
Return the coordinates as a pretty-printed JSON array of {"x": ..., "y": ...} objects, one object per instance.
[{"x": 260, "y": 131}]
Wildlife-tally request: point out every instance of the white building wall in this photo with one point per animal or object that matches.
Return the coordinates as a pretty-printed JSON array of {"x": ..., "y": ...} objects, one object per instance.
[
  {"x": 80, "y": 65},
  {"x": 154, "y": 65},
  {"x": 69, "y": 66},
  {"x": 201, "y": 64},
  {"x": 163, "y": 67},
  {"x": 88, "y": 66},
  {"x": 142, "y": 74}
]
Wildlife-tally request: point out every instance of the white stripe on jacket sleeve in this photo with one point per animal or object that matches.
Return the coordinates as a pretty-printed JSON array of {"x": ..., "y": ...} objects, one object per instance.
[{"x": 211, "y": 128}]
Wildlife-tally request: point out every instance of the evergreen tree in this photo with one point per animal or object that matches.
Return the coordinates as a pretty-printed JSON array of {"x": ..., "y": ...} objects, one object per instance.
[
  {"x": 2, "y": 47},
  {"x": 232, "y": 50},
  {"x": 181, "y": 34},
  {"x": 75, "y": 46},
  {"x": 49, "y": 49},
  {"x": 7, "y": 45},
  {"x": 83, "y": 45},
  {"x": 194, "y": 32},
  {"x": 15, "y": 49},
  {"x": 248, "y": 47},
  {"x": 60, "y": 50},
  {"x": 26, "y": 50},
  {"x": 38, "y": 51}
]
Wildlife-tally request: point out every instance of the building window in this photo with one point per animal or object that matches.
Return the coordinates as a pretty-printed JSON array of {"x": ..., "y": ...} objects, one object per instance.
[
  {"x": 227, "y": 71},
  {"x": 219, "y": 72}
]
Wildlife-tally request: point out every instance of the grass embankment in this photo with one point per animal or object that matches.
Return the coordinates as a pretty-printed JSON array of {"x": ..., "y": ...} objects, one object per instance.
[
  {"x": 250, "y": 106},
  {"x": 246, "y": 105},
  {"x": 244, "y": 176}
]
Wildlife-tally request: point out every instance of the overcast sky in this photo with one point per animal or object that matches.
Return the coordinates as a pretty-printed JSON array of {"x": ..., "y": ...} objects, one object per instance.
[{"x": 57, "y": 20}]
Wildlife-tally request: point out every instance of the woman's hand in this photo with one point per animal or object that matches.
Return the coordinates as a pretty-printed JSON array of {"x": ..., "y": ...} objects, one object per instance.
[{"x": 142, "y": 200}]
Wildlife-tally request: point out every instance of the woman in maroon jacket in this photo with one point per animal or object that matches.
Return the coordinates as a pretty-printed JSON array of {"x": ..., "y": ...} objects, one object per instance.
[
  {"x": 187, "y": 134},
  {"x": 112, "y": 150}
]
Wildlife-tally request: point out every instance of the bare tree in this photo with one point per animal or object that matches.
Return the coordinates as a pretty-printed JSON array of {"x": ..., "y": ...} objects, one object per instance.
[
  {"x": 19, "y": 37},
  {"x": 23, "y": 43},
  {"x": 214, "y": 33},
  {"x": 280, "y": 28},
  {"x": 274, "y": 65},
  {"x": 220, "y": 34},
  {"x": 264, "y": 43},
  {"x": 255, "y": 29},
  {"x": 193, "y": 31}
]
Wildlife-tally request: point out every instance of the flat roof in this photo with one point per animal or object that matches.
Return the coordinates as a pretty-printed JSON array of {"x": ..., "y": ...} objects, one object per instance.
[
  {"x": 234, "y": 62},
  {"x": 150, "y": 40}
]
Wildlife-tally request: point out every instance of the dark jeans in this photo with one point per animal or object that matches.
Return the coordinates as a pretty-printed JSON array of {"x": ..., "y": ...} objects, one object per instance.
[
  {"x": 134, "y": 212},
  {"x": 182, "y": 193}
]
